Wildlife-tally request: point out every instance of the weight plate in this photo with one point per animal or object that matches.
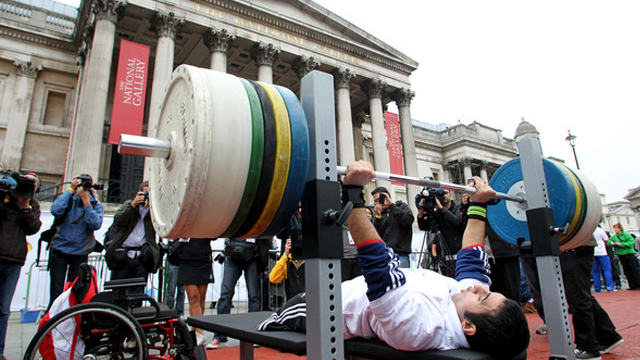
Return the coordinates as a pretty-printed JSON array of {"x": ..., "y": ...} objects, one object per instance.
[
  {"x": 593, "y": 212},
  {"x": 188, "y": 188},
  {"x": 560, "y": 191},
  {"x": 282, "y": 164},
  {"x": 257, "y": 154},
  {"x": 268, "y": 162},
  {"x": 578, "y": 216},
  {"x": 299, "y": 163}
]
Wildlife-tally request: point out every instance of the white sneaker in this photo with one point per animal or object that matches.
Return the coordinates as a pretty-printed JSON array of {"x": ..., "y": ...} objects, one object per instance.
[{"x": 200, "y": 339}]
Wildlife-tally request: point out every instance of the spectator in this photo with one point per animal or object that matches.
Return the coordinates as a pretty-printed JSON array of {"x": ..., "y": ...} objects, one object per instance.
[
  {"x": 601, "y": 262},
  {"x": 134, "y": 252},
  {"x": 393, "y": 223},
  {"x": 195, "y": 274},
  {"x": 242, "y": 255},
  {"x": 450, "y": 224},
  {"x": 291, "y": 270},
  {"x": 623, "y": 244},
  {"x": 174, "y": 294},
  {"x": 19, "y": 217},
  {"x": 593, "y": 329},
  {"x": 74, "y": 240}
]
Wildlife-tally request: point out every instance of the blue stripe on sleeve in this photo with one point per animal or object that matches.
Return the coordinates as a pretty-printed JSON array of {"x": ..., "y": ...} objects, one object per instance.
[
  {"x": 380, "y": 269},
  {"x": 473, "y": 263}
]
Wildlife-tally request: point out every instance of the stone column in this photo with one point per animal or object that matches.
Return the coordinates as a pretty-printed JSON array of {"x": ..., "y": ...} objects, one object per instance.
[
  {"x": 374, "y": 88},
  {"x": 466, "y": 167},
  {"x": 483, "y": 170},
  {"x": 265, "y": 55},
  {"x": 17, "y": 128},
  {"x": 403, "y": 98},
  {"x": 85, "y": 148},
  {"x": 218, "y": 42},
  {"x": 358, "y": 140},
  {"x": 342, "y": 79},
  {"x": 166, "y": 27},
  {"x": 304, "y": 64}
]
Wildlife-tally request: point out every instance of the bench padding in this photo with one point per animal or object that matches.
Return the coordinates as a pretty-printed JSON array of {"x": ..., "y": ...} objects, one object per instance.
[{"x": 243, "y": 327}]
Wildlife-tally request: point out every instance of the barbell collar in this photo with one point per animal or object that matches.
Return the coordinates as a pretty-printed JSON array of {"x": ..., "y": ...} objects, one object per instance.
[
  {"x": 342, "y": 170},
  {"x": 145, "y": 146}
]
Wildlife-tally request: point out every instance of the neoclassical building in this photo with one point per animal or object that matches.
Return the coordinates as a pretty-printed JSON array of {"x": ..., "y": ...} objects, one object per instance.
[{"x": 58, "y": 70}]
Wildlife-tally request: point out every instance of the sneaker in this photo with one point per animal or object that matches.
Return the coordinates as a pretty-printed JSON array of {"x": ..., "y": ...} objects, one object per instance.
[
  {"x": 528, "y": 307},
  {"x": 542, "y": 330},
  {"x": 200, "y": 339},
  {"x": 585, "y": 355},
  {"x": 604, "y": 349},
  {"x": 215, "y": 344}
]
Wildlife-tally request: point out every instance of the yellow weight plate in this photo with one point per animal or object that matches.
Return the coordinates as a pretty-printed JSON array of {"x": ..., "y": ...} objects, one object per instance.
[
  {"x": 281, "y": 167},
  {"x": 575, "y": 222}
]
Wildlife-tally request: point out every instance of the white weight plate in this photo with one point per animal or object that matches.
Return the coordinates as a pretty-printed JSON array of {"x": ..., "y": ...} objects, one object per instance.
[{"x": 196, "y": 192}]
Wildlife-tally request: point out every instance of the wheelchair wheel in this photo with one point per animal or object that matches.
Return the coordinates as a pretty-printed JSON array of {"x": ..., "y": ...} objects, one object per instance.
[{"x": 101, "y": 331}]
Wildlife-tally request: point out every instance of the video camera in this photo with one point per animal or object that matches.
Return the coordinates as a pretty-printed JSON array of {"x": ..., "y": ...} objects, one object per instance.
[
  {"x": 17, "y": 185},
  {"x": 429, "y": 197},
  {"x": 87, "y": 184}
]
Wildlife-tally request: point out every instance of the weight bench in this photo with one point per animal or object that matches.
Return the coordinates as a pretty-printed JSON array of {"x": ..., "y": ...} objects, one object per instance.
[{"x": 243, "y": 328}]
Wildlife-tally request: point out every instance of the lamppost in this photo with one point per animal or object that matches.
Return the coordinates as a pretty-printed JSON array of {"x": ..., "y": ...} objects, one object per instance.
[{"x": 572, "y": 141}]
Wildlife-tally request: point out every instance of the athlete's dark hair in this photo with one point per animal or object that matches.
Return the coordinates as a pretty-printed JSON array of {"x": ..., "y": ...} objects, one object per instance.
[{"x": 503, "y": 333}]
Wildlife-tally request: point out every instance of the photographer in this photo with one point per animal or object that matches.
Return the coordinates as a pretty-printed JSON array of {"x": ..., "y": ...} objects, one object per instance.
[
  {"x": 437, "y": 208},
  {"x": 19, "y": 217},
  {"x": 242, "y": 256},
  {"x": 74, "y": 241},
  {"x": 393, "y": 223},
  {"x": 133, "y": 252}
]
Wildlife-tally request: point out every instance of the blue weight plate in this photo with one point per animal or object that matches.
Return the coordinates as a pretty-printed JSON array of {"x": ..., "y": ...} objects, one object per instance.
[
  {"x": 510, "y": 226},
  {"x": 298, "y": 166}
]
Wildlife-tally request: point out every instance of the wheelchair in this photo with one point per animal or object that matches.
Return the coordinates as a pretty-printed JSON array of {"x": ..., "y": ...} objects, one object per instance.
[{"x": 113, "y": 326}]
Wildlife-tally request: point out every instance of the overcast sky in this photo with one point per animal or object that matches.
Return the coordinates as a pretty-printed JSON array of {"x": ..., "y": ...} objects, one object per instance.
[{"x": 562, "y": 65}]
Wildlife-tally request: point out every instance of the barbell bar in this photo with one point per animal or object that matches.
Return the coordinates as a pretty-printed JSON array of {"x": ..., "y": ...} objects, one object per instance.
[
  {"x": 219, "y": 140},
  {"x": 150, "y": 147}
]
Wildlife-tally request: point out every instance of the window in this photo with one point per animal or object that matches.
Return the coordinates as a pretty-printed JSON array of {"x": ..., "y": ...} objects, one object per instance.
[{"x": 55, "y": 109}]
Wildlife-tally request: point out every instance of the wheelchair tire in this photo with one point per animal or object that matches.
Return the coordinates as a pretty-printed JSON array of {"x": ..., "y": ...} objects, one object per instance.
[{"x": 107, "y": 332}]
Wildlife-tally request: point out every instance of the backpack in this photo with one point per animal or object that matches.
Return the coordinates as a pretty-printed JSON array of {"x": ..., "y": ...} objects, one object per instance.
[{"x": 80, "y": 291}]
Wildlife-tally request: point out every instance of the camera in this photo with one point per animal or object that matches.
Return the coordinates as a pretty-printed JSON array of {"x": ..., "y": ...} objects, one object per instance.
[
  {"x": 429, "y": 197},
  {"x": 146, "y": 196},
  {"x": 220, "y": 258},
  {"x": 17, "y": 185},
  {"x": 87, "y": 184}
]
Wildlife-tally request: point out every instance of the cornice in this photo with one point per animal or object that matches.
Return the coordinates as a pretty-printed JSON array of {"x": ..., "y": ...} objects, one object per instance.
[
  {"x": 318, "y": 35},
  {"x": 36, "y": 39}
]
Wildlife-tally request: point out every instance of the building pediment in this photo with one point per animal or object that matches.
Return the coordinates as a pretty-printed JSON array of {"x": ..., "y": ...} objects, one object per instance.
[{"x": 633, "y": 195}]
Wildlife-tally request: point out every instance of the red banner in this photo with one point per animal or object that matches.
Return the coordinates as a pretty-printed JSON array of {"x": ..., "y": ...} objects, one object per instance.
[
  {"x": 131, "y": 84},
  {"x": 394, "y": 143}
]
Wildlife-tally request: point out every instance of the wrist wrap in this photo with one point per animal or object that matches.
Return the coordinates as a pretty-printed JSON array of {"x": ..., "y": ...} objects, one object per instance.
[
  {"x": 353, "y": 194},
  {"x": 477, "y": 211}
]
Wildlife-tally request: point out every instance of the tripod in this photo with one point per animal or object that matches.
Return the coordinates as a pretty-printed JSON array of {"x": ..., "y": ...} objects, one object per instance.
[{"x": 443, "y": 261}]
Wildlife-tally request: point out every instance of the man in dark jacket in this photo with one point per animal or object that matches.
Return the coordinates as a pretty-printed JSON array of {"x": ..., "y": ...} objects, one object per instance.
[
  {"x": 451, "y": 225},
  {"x": 133, "y": 252},
  {"x": 19, "y": 217},
  {"x": 393, "y": 222}
]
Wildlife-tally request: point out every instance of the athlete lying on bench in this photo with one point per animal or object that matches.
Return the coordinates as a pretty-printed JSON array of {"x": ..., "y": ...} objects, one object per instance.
[{"x": 420, "y": 309}]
